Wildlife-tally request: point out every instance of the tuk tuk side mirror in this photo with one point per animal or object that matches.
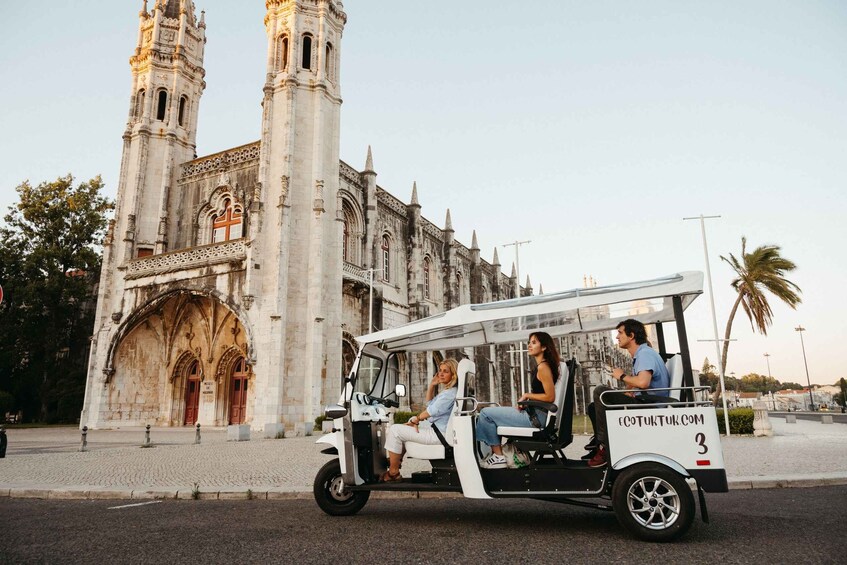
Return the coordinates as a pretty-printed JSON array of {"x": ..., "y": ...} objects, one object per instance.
[
  {"x": 334, "y": 412},
  {"x": 400, "y": 390}
]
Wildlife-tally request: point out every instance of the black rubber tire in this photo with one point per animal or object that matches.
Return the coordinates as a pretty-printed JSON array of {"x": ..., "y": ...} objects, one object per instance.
[
  {"x": 326, "y": 494},
  {"x": 662, "y": 504}
]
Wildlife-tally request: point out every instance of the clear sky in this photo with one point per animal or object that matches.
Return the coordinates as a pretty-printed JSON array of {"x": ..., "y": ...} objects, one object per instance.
[{"x": 589, "y": 128}]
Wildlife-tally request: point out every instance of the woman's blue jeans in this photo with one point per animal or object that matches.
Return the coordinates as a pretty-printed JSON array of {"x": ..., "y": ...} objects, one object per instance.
[{"x": 493, "y": 416}]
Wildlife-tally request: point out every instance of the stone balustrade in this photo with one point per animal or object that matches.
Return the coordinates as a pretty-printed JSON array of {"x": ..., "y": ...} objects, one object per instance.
[{"x": 191, "y": 258}]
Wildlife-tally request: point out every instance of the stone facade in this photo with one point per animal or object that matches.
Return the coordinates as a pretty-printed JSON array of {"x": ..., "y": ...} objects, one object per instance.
[{"x": 233, "y": 284}]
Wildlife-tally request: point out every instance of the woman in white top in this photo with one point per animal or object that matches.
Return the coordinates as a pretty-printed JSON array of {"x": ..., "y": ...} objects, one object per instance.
[{"x": 419, "y": 428}]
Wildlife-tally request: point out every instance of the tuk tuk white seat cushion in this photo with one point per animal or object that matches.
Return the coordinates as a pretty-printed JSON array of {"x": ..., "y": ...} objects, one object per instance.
[
  {"x": 424, "y": 451},
  {"x": 518, "y": 432}
]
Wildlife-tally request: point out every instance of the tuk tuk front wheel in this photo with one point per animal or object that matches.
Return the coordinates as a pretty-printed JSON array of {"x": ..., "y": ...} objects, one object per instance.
[
  {"x": 331, "y": 495},
  {"x": 653, "y": 502}
]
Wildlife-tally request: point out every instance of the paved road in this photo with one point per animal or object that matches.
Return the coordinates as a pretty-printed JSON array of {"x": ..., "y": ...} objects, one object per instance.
[{"x": 766, "y": 526}]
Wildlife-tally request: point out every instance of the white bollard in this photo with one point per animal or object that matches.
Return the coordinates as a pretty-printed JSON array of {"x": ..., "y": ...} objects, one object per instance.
[
  {"x": 790, "y": 419},
  {"x": 761, "y": 423},
  {"x": 826, "y": 418}
]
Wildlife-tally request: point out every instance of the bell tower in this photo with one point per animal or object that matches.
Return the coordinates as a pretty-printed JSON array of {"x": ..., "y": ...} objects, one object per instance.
[
  {"x": 167, "y": 82},
  {"x": 299, "y": 229}
]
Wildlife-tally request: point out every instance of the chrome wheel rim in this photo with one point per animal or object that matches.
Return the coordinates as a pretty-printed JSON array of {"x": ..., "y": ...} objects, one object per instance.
[
  {"x": 336, "y": 490},
  {"x": 654, "y": 503}
]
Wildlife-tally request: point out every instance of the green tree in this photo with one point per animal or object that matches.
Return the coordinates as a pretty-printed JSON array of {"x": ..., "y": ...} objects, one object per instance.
[
  {"x": 754, "y": 382},
  {"x": 709, "y": 377},
  {"x": 842, "y": 396},
  {"x": 759, "y": 273},
  {"x": 49, "y": 266}
]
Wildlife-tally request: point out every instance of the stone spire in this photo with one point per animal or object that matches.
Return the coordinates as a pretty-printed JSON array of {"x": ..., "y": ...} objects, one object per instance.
[
  {"x": 369, "y": 162},
  {"x": 540, "y": 289},
  {"x": 474, "y": 244},
  {"x": 448, "y": 223},
  {"x": 528, "y": 287},
  {"x": 496, "y": 260},
  {"x": 414, "y": 201},
  {"x": 514, "y": 274}
]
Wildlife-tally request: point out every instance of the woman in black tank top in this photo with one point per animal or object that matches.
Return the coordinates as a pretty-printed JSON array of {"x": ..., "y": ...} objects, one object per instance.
[{"x": 542, "y": 388}]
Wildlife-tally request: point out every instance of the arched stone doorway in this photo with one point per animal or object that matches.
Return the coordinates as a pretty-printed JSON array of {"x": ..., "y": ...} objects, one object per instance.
[{"x": 166, "y": 364}]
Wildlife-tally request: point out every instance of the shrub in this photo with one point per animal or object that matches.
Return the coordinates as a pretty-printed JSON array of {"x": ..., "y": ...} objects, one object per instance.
[
  {"x": 740, "y": 421},
  {"x": 319, "y": 422},
  {"x": 402, "y": 416},
  {"x": 7, "y": 402}
]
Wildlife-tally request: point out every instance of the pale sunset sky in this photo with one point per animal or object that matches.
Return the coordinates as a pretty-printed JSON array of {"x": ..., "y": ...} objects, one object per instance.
[{"x": 589, "y": 128}]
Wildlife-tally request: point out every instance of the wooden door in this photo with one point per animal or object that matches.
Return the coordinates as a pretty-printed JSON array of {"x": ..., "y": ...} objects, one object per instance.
[
  {"x": 192, "y": 394},
  {"x": 238, "y": 393}
]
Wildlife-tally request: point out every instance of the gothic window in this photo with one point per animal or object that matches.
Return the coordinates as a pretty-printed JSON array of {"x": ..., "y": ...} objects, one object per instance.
[
  {"x": 427, "y": 273},
  {"x": 227, "y": 224},
  {"x": 139, "y": 104},
  {"x": 183, "y": 110},
  {"x": 307, "y": 52},
  {"x": 161, "y": 109},
  {"x": 330, "y": 62},
  {"x": 386, "y": 258},
  {"x": 282, "y": 53}
]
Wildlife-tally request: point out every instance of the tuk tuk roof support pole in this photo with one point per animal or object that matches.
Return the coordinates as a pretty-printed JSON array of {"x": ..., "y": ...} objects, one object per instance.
[
  {"x": 687, "y": 375},
  {"x": 718, "y": 340},
  {"x": 660, "y": 336}
]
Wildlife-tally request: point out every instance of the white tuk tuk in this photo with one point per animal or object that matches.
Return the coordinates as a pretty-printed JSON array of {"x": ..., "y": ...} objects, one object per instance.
[{"x": 658, "y": 453}]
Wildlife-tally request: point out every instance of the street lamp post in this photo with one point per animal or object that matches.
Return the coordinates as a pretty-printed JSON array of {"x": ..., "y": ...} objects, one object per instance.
[
  {"x": 717, "y": 340},
  {"x": 768, "y": 360},
  {"x": 517, "y": 245},
  {"x": 801, "y": 329}
]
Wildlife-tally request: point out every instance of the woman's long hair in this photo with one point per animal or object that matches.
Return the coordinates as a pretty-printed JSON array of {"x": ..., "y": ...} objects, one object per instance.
[
  {"x": 454, "y": 372},
  {"x": 551, "y": 354}
]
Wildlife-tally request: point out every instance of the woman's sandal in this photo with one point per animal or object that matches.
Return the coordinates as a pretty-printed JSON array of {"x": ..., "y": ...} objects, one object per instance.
[{"x": 387, "y": 477}]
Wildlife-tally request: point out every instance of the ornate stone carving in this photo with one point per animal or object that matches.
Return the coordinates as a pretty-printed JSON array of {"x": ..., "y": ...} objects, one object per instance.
[
  {"x": 236, "y": 156},
  {"x": 213, "y": 254}
]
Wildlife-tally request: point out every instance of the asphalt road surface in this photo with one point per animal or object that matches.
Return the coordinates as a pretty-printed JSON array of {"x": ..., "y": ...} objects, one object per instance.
[{"x": 751, "y": 526}]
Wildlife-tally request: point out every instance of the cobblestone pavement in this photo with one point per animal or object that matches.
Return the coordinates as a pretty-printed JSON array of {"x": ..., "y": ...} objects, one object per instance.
[{"x": 48, "y": 459}]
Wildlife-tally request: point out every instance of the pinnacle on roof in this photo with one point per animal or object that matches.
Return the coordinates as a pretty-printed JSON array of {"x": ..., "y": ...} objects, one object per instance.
[
  {"x": 528, "y": 284},
  {"x": 414, "y": 201},
  {"x": 496, "y": 259},
  {"x": 369, "y": 161},
  {"x": 448, "y": 223},
  {"x": 474, "y": 244},
  {"x": 514, "y": 271},
  {"x": 540, "y": 289}
]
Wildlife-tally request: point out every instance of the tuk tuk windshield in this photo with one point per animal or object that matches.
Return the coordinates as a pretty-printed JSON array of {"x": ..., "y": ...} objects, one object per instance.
[{"x": 367, "y": 373}]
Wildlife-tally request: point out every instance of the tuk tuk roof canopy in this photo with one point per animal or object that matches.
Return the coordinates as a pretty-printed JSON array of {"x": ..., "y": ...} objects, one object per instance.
[{"x": 580, "y": 310}]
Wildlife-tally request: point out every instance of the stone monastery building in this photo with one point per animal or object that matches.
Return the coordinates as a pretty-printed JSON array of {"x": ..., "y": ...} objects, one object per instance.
[{"x": 233, "y": 284}]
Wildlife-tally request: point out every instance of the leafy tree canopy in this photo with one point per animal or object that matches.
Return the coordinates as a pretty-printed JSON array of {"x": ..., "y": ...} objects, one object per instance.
[{"x": 49, "y": 266}]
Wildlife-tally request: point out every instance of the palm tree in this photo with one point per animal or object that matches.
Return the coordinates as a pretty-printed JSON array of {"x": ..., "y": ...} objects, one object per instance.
[{"x": 759, "y": 272}]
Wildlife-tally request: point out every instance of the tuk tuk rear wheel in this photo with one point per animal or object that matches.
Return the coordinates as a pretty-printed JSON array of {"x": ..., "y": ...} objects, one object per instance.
[
  {"x": 330, "y": 493},
  {"x": 653, "y": 502}
]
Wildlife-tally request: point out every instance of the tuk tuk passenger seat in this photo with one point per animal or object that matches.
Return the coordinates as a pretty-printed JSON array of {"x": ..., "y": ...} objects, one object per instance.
[
  {"x": 674, "y": 366},
  {"x": 431, "y": 452},
  {"x": 557, "y": 433}
]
